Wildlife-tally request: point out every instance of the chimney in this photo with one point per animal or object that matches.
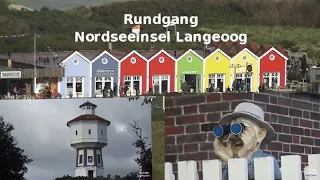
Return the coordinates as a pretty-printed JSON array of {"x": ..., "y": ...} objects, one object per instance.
[
  {"x": 110, "y": 46},
  {"x": 9, "y": 60}
]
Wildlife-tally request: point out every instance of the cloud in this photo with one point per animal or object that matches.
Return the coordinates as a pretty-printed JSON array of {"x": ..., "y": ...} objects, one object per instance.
[{"x": 41, "y": 130}]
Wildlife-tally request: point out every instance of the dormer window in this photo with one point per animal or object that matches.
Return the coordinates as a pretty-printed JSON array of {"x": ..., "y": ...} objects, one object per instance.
[
  {"x": 89, "y": 131},
  {"x": 88, "y": 107},
  {"x": 76, "y": 132}
]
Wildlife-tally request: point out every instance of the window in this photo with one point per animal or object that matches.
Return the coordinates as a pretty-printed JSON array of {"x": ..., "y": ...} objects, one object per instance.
[
  {"x": 134, "y": 84},
  {"x": 88, "y": 107},
  {"x": 272, "y": 57},
  {"x": 75, "y": 61},
  {"x": 189, "y": 59},
  {"x": 133, "y": 60},
  {"x": 271, "y": 80},
  {"x": 76, "y": 132},
  {"x": 244, "y": 57},
  {"x": 79, "y": 85},
  {"x": 217, "y": 58},
  {"x": 216, "y": 81},
  {"x": 99, "y": 158},
  {"x": 80, "y": 159},
  {"x": 103, "y": 82},
  {"x": 89, "y": 131},
  {"x": 104, "y": 61},
  {"x": 75, "y": 86},
  {"x": 161, "y": 60},
  {"x": 69, "y": 85},
  {"x": 102, "y": 132}
]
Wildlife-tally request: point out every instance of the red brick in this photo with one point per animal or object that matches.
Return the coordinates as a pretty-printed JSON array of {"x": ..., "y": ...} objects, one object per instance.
[
  {"x": 297, "y": 148},
  {"x": 261, "y": 97},
  {"x": 190, "y": 109},
  {"x": 285, "y": 138},
  {"x": 206, "y": 146},
  {"x": 191, "y": 147},
  {"x": 315, "y": 150},
  {"x": 273, "y": 100},
  {"x": 315, "y": 133},
  {"x": 317, "y": 142},
  {"x": 316, "y": 125},
  {"x": 296, "y": 121},
  {"x": 169, "y": 102},
  {"x": 169, "y": 140},
  {"x": 306, "y": 114},
  {"x": 296, "y": 130},
  {"x": 316, "y": 107},
  {"x": 274, "y": 118},
  {"x": 174, "y": 130},
  {"x": 275, "y": 146},
  {"x": 277, "y": 127},
  {"x": 213, "y": 117},
  {"x": 304, "y": 158},
  {"x": 215, "y": 107},
  {"x": 169, "y": 121},
  {"x": 213, "y": 97},
  {"x": 295, "y": 112},
  {"x": 236, "y": 96},
  {"x": 296, "y": 139},
  {"x": 170, "y": 158},
  {"x": 207, "y": 127},
  {"x": 190, "y": 99},
  {"x": 212, "y": 156},
  {"x": 307, "y": 150},
  {"x": 198, "y": 156},
  {"x": 194, "y": 128},
  {"x": 273, "y": 109},
  {"x": 315, "y": 116},
  {"x": 302, "y": 105},
  {"x": 286, "y": 129},
  {"x": 285, "y": 147},
  {"x": 306, "y": 123},
  {"x": 190, "y": 119},
  {"x": 173, "y": 111},
  {"x": 173, "y": 149},
  {"x": 191, "y": 138},
  {"x": 284, "y": 101},
  {"x": 267, "y": 117},
  {"x": 306, "y": 140}
]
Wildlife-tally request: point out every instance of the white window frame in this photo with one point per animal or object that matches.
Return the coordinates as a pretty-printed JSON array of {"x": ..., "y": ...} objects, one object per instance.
[
  {"x": 74, "y": 81},
  {"x": 242, "y": 76},
  {"x": 131, "y": 79},
  {"x": 103, "y": 81},
  {"x": 270, "y": 75},
  {"x": 160, "y": 78},
  {"x": 215, "y": 77}
]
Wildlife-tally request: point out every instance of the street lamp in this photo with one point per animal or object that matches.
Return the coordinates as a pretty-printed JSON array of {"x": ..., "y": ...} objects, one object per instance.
[{"x": 235, "y": 67}]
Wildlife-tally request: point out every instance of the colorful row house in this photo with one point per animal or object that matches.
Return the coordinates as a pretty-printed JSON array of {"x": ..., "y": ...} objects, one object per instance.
[{"x": 162, "y": 72}]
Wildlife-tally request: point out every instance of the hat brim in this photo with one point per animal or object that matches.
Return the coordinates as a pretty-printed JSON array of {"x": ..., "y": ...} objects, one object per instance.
[{"x": 271, "y": 134}]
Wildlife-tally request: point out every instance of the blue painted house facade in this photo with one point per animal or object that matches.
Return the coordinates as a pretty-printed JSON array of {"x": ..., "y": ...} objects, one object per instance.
[
  {"x": 105, "y": 72},
  {"x": 77, "y": 78}
]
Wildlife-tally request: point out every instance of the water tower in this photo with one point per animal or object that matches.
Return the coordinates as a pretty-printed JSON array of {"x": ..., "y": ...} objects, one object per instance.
[{"x": 88, "y": 137}]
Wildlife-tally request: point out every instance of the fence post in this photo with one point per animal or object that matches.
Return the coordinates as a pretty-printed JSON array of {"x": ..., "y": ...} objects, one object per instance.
[
  {"x": 187, "y": 170},
  {"x": 263, "y": 168},
  {"x": 168, "y": 171},
  {"x": 212, "y": 169},
  {"x": 238, "y": 169},
  {"x": 291, "y": 167},
  {"x": 314, "y": 166}
]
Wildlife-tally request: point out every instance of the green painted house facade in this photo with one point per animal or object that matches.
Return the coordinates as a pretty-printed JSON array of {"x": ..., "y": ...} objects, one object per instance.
[{"x": 190, "y": 69}]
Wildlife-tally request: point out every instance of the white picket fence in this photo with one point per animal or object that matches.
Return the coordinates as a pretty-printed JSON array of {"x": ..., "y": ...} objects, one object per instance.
[{"x": 238, "y": 169}]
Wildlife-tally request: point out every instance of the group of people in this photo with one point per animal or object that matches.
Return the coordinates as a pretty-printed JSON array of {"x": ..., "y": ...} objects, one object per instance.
[{"x": 124, "y": 90}]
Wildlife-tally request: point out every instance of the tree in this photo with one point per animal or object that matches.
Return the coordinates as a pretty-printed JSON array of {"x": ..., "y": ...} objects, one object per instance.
[
  {"x": 144, "y": 150},
  {"x": 13, "y": 161}
]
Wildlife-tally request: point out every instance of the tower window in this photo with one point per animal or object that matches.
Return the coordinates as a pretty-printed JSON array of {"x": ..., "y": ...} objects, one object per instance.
[
  {"x": 98, "y": 158},
  {"x": 80, "y": 159},
  {"x": 89, "y": 131},
  {"x": 101, "y": 132},
  {"x": 76, "y": 132}
]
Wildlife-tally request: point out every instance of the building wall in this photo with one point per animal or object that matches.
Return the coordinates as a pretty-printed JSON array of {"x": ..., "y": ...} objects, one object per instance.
[
  {"x": 80, "y": 70},
  {"x": 185, "y": 67},
  {"x": 165, "y": 68},
  {"x": 189, "y": 120},
  {"x": 112, "y": 65},
  {"x": 212, "y": 66}
]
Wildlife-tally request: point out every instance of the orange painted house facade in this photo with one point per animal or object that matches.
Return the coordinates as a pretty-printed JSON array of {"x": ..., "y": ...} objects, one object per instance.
[
  {"x": 162, "y": 72},
  {"x": 273, "y": 68},
  {"x": 133, "y": 73}
]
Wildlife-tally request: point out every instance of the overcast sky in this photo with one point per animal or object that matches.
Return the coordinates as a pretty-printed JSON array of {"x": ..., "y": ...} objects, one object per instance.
[{"x": 41, "y": 130}]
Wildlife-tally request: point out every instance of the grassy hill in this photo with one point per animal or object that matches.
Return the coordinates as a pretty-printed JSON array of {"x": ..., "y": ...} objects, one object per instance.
[{"x": 295, "y": 24}]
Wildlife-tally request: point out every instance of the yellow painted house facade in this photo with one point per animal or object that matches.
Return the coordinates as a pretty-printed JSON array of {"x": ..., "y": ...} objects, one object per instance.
[
  {"x": 238, "y": 71},
  {"x": 217, "y": 70}
]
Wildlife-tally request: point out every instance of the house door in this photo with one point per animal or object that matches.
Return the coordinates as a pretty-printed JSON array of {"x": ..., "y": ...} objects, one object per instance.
[
  {"x": 90, "y": 173},
  {"x": 134, "y": 84},
  {"x": 161, "y": 83},
  {"x": 217, "y": 81},
  {"x": 101, "y": 83},
  {"x": 75, "y": 87},
  {"x": 271, "y": 80},
  {"x": 241, "y": 78}
]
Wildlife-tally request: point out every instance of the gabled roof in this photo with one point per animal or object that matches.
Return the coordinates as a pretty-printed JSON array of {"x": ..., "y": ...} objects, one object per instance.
[
  {"x": 246, "y": 49},
  {"x": 103, "y": 53},
  {"x": 217, "y": 50},
  {"x": 75, "y": 53},
  {"x": 193, "y": 52},
  {"x": 275, "y": 50},
  {"x": 162, "y": 51},
  {"x": 133, "y": 52},
  {"x": 88, "y": 104}
]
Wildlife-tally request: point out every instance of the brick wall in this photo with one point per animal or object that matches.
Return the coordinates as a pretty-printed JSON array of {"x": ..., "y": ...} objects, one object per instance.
[{"x": 189, "y": 120}]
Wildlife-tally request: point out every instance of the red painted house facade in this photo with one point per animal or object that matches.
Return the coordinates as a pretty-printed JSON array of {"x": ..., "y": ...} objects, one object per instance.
[
  {"x": 273, "y": 68},
  {"x": 133, "y": 72},
  {"x": 162, "y": 72}
]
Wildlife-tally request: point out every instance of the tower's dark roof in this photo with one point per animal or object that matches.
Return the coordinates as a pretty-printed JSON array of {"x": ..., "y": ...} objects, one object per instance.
[
  {"x": 89, "y": 117},
  {"x": 88, "y": 104}
]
